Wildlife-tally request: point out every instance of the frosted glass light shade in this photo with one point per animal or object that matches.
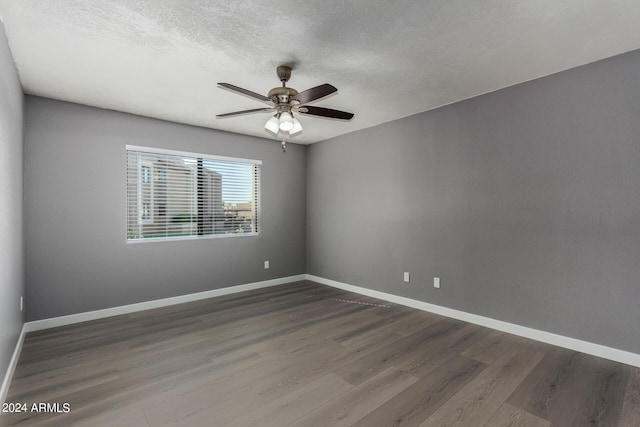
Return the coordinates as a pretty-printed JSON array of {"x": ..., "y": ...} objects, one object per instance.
[
  {"x": 286, "y": 122},
  {"x": 296, "y": 129},
  {"x": 272, "y": 126}
]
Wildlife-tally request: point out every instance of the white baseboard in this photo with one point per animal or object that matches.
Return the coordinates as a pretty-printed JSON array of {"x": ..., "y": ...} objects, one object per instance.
[
  {"x": 12, "y": 366},
  {"x": 148, "y": 305},
  {"x": 598, "y": 350}
]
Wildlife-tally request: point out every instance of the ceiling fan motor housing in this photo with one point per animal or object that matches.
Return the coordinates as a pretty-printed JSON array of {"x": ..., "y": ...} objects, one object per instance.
[
  {"x": 282, "y": 94},
  {"x": 284, "y": 73}
]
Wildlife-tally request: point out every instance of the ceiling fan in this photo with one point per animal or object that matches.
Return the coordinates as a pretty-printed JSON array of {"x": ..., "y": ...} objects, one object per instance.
[{"x": 285, "y": 102}]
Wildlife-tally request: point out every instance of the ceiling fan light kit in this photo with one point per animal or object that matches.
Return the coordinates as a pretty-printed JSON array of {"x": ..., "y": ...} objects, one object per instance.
[
  {"x": 279, "y": 126},
  {"x": 285, "y": 101}
]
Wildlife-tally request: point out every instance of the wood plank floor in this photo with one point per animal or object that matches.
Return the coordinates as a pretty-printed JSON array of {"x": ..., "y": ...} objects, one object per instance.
[{"x": 304, "y": 354}]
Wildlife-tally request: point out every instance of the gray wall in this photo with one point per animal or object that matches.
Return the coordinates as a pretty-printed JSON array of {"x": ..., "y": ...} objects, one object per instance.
[
  {"x": 11, "y": 223},
  {"x": 75, "y": 204},
  {"x": 525, "y": 201}
]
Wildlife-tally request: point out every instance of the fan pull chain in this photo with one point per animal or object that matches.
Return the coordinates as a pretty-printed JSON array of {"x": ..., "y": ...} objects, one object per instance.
[{"x": 284, "y": 146}]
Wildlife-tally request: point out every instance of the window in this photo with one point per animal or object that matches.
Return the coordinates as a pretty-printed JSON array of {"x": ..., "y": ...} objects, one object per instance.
[{"x": 172, "y": 194}]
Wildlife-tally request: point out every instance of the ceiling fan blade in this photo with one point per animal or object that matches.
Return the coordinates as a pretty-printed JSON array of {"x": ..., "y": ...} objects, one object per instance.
[
  {"x": 325, "y": 112},
  {"x": 245, "y": 92},
  {"x": 314, "y": 94},
  {"x": 240, "y": 113}
]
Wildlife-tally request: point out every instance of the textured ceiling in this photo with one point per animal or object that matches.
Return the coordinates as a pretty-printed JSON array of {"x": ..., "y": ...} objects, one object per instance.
[{"x": 388, "y": 59}]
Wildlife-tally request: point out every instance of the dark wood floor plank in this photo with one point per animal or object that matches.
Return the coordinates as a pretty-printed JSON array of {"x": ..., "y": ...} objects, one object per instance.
[
  {"x": 347, "y": 333},
  {"x": 227, "y": 396},
  {"x": 478, "y": 400},
  {"x": 602, "y": 401},
  {"x": 294, "y": 405},
  {"x": 413, "y": 405},
  {"x": 510, "y": 416},
  {"x": 299, "y": 336},
  {"x": 570, "y": 388},
  {"x": 374, "y": 362},
  {"x": 630, "y": 413},
  {"x": 265, "y": 334},
  {"x": 420, "y": 363},
  {"x": 413, "y": 322},
  {"x": 492, "y": 347},
  {"x": 125, "y": 415},
  {"x": 359, "y": 401},
  {"x": 62, "y": 382},
  {"x": 223, "y": 392},
  {"x": 314, "y": 362}
]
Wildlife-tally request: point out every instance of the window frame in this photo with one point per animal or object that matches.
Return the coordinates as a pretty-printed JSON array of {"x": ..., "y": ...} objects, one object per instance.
[{"x": 256, "y": 187}]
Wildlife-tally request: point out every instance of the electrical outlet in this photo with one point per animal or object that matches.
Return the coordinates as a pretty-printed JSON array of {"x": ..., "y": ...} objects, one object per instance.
[
  {"x": 21, "y": 303},
  {"x": 406, "y": 277},
  {"x": 436, "y": 282},
  {"x": 266, "y": 265}
]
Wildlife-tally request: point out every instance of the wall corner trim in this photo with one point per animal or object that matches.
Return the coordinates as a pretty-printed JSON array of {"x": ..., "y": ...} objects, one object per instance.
[
  {"x": 54, "y": 322},
  {"x": 4, "y": 389},
  {"x": 593, "y": 349}
]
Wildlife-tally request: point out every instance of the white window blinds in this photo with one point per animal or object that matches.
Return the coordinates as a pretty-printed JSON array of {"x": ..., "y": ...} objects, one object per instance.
[{"x": 173, "y": 194}]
